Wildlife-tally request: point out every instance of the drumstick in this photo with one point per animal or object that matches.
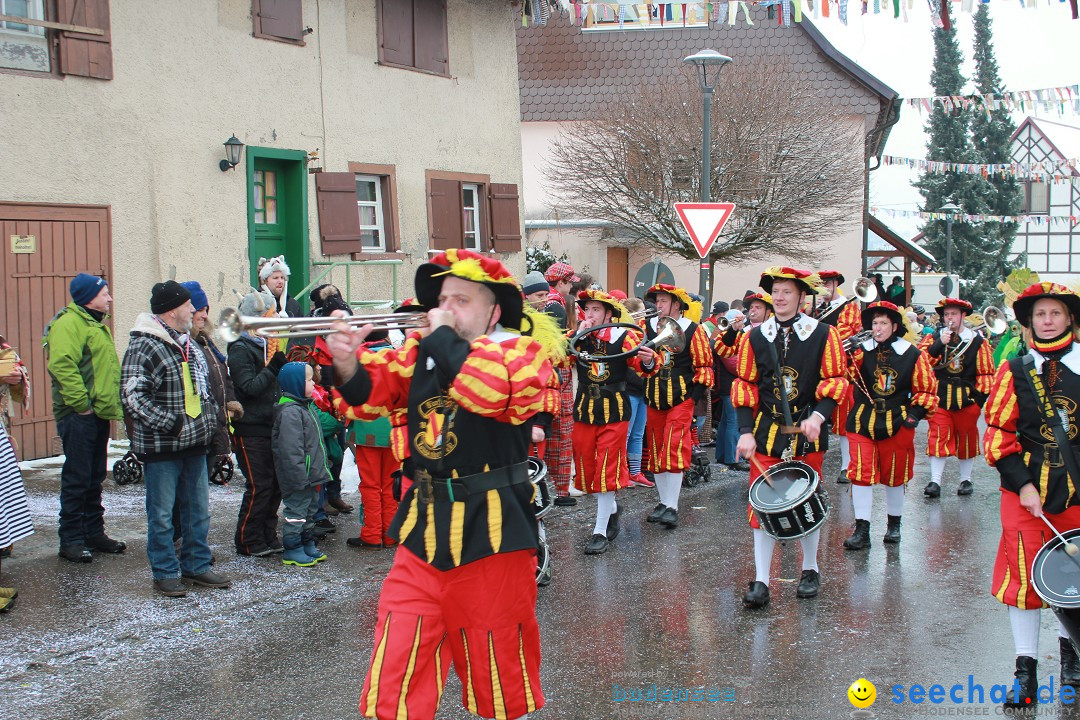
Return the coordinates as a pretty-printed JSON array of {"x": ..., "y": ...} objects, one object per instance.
[
  {"x": 1070, "y": 549},
  {"x": 756, "y": 464}
]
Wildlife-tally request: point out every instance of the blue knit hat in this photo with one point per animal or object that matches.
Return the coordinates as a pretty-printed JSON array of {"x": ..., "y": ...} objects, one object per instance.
[
  {"x": 85, "y": 287},
  {"x": 198, "y": 296}
]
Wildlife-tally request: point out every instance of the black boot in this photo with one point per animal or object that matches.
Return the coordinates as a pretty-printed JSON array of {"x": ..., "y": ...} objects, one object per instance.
[
  {"x": 1070, "y": 664},
  {"x": 932, "y": 490},
  {"x": 654, "y": 516},
  {"x": 597, "y": 545},
  {"x": 892, "y": 533},
  {"x": 1029, "y": 684},
  {"x": 860, "y": 538}
]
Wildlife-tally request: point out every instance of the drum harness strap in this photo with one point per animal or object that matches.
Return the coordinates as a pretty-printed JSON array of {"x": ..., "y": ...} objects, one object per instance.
[
  {"x": 789, "y": 452},
  {"x": 1062, "y": 448}
]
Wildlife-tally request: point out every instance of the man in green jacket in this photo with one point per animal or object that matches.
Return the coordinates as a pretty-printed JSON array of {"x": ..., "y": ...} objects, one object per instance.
[{"x": 85, "y": 375}]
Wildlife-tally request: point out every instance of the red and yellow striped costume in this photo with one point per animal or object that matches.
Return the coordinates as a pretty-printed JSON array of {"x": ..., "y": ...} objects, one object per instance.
[
  {"x": 963, "y": 384},
  {"x": 848, "y": 322}
]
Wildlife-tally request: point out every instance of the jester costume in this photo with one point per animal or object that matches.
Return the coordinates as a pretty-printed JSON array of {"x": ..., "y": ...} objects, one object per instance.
[
  {"x": 673, "y": 384},
  {"x": 463, "y": 585},
  {"x": 1031, "y": 396},
  {"x": 809, "y": 368},
  {"x": 895, "y": 388},
  {"x": 964, "y": 369}
]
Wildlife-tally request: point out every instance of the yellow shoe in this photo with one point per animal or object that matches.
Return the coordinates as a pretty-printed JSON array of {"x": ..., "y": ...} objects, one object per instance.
[
  {"x": 11, "y": 593},
  {"x": 6, "y": 604}
]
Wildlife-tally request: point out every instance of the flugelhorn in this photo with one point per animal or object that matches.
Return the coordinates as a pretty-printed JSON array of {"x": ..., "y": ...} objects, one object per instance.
[
  {"x": 232, "y": 324},
  {"x": 864, "y": 290}
]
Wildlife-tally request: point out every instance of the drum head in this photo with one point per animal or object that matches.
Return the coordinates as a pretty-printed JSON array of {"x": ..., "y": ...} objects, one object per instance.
[
  {"x": 792, "y": 482},
  {"x": 537, "y": 469},
  {"x": 1055, "y": 575}
]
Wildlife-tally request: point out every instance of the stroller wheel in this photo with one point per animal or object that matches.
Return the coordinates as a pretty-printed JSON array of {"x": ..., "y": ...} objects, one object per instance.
[
  {"x": 128, "y": 470},
  {"x": 223, "y": 471},
  {"x": 120, "y": 473},
  {"x": 136, "y": 469}
]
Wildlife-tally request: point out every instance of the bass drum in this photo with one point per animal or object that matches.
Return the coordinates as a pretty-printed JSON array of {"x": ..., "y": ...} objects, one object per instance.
[
  {"x": 1055, "y": 575},
  {"x": 794, "y": 505}
]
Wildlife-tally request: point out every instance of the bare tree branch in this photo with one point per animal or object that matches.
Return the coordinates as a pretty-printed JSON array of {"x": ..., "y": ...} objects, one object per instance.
[{"x": 789, "y": 160}]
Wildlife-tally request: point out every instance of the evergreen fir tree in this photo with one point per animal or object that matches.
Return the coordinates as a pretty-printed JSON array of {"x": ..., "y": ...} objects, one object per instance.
[
  {"x": 950, "y": 141},
  {"x": 991, "y": 135}
]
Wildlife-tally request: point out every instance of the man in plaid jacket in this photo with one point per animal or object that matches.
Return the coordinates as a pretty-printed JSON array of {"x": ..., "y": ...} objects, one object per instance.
[{"x": 164, "y": 388}]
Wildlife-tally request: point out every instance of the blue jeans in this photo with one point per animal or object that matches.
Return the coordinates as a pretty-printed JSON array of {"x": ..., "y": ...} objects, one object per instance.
[
  {"x": 727, "y": 432},
  {"x": 636, "y": 434},
  {"x": 86, "y": 445},
  {"x": 182, "y": 482}
]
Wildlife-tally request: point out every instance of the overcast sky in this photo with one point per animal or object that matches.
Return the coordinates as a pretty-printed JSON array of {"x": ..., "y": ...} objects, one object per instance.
[{"x": 1036, "y": 48}]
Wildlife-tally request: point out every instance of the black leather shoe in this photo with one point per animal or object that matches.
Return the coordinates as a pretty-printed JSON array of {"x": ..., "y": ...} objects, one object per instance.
[
  {"x": 670, "y": 518},
  {"x": 757, "y": 596},
  {"x": 809, "y": 584},
  {"x": 565, "y": 501},
  {"x": 255, "y": 551},
  {"x": 741, "y": 466},
  {"x": 932, "y": 490},
  {"x": 1026, "y": 669},
  {"x": 1070, "y": 664},
  {"x": 613, "y": 525},
  {"x": 76, "y": 553},
  {"x": 325, "y": 526},
  {"x": 170, "y": 587},
  {"x": 842, "y": 478},
  {"x": 361, "y": 543},
  {"x": 892, "y": 533},
  {"x": 860, "y": 538},
  {"x": 597, "y": 545},
  {"x": 106, "y": 544},
  {"x": 966, "y": 488},
  {"x": 654, "y": 516}
]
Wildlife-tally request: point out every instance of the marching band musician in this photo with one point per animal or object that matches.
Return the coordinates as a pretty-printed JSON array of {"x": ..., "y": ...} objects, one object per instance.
[
  {"x": 463, "y": 582},
  {"x": 895, "y": 389},
  {"x": 758, "y": 308},
  {"x": 805, "y": 359},
  {"x": 602, "y": 411},
  {"x": 964, "y": 366},
  {"x": 673, "y": 383},
  {"x": 842, "y": 313},
  {"x": 1029, "y": 396}
]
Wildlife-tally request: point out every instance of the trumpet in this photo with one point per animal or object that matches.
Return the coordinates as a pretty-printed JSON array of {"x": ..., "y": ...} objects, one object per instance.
[{"x": 232, "y": 324}]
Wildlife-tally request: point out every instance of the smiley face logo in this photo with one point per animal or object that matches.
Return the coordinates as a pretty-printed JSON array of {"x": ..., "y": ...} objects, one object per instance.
[{"x": 862, "y": 693}]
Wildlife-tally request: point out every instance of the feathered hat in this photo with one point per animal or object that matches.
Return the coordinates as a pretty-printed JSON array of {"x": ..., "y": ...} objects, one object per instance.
[
  {"x": 676, "y": 292},
  {"x": 963, "y": 305},
  {"x": 889, "y": 309},
  {"x": 807, "y": 281},
  {"x": 1025, "y": 302},
  {"x": 760, "y": 296},
  {"x": 474, "y": 267},
  {"x": 619, "y": 313}
]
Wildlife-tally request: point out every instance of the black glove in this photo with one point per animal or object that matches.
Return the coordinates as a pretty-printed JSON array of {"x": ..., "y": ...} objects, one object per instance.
[
  {"x": 979, "y": 398},
  {"x": 277, "y": 362},
  {"x": 911, "y": 422},
  {"x": 697, "y": 392}
]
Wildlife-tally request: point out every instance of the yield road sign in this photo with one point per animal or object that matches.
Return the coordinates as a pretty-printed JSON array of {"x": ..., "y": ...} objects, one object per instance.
[{"x": 703, "y": 222}]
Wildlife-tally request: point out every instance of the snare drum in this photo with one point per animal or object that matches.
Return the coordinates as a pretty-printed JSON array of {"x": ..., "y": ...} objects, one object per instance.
[
  {"x": 794, "y": 505},
  {"x": 541, "y": 495},
  {"x": 1056, "y": 579}
]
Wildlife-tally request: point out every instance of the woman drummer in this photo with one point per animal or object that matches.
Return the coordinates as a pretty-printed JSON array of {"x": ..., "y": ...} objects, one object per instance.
[{"x": 1034, "y": 478}]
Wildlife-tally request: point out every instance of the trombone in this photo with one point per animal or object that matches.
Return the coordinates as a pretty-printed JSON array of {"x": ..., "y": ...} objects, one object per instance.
[{"x": 232, "y": 324}]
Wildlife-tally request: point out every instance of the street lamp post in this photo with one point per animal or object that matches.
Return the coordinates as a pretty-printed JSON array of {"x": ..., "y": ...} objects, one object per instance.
[
  {"x": 951, "y": 209},
  {"x": 706, "y": 59}
]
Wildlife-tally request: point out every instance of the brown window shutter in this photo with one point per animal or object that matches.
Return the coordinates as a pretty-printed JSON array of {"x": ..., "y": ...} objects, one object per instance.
[
  {"x": 395, "y": 25},
  {"x": 339, "y": 220},
  {"x": 432, "y": 53},
  {"x": 81, "y": 54},
  {"x": 505, "y": 221},
  {"x": 444, "y": 214},
  {"x": 279, "y": 19}
]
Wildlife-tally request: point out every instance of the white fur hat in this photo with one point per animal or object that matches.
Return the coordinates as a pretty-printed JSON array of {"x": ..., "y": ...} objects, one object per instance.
[{"x": 269, "y": 267}]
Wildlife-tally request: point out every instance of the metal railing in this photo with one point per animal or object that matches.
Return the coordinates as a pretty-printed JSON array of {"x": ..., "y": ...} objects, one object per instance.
[{"x": 329, "y": 267}]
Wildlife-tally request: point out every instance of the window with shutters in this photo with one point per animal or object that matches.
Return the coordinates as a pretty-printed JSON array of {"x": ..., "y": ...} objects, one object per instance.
[
  {"x": 469, "y": 211},
  {"x": 370, "y": 208},
  {"x": 358, "y": 211},
  {"x": 413, "y": 34},
  {"x": 59, "y": 37},
  {"x": 24, "y": 46},
  {"x": 281, "y": 20}
]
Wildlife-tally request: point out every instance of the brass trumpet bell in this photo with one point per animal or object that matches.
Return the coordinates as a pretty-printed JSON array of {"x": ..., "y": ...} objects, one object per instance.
[{"x": 864, "y": 290}]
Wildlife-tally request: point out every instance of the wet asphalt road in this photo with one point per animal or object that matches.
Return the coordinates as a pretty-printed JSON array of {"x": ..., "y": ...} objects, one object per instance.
[{"x": 661, "y": 607}]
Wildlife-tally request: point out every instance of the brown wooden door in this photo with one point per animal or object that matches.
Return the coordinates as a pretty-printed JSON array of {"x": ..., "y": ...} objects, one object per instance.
[
  {"x": 618, "y": 269},
  {"x": 68, "y": 239}
]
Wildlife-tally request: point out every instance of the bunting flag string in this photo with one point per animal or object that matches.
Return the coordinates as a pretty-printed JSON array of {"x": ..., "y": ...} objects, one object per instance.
[
  {"x": 1062, "y": 100},
  {"x": 628, "y": 14},
  {"x": 1048, "y": 171},
  {"x": 968, "y": 218}
]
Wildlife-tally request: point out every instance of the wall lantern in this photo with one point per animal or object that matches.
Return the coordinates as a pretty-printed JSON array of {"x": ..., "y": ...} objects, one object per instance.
[{"x": 233, "y": 150}]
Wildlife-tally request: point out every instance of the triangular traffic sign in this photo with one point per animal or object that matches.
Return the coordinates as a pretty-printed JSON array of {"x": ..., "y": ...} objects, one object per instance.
[{"x": 703, "y": 222}]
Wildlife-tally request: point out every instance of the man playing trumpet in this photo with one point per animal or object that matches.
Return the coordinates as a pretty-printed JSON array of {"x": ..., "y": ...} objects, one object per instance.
[
  {"x": 964, "y": 367},
  {"x": 463, "y": 582}
]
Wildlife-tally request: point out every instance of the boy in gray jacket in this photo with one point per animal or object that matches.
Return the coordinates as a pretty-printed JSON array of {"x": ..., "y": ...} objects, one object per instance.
[{"x": 300, "y": 463}]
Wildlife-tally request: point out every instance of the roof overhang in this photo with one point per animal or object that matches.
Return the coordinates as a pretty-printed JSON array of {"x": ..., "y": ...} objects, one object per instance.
[{"x": 904, "y": 248}]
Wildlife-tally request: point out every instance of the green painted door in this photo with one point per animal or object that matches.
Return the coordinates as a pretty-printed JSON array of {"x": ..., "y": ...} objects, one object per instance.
[{"x": 277, "y": 213}]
